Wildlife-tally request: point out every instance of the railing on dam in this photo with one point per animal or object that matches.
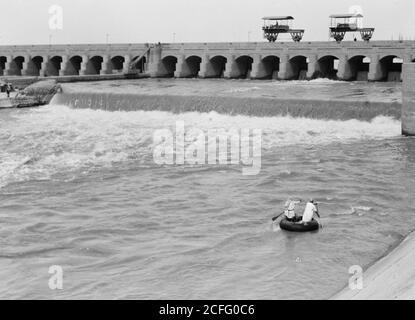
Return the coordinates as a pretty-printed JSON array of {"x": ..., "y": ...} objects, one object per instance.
[
  {"x": 290, "y": 44},
  {"x": 374, "y": 61}
]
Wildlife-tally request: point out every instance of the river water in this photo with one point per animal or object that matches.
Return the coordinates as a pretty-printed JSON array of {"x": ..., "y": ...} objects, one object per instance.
[{"x": 79, "y": 189}]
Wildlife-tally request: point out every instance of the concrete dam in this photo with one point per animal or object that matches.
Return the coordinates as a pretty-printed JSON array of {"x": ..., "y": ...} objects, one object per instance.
[
  {"x": 364, "y": 61},
  {"x": 349, "y": 61}
]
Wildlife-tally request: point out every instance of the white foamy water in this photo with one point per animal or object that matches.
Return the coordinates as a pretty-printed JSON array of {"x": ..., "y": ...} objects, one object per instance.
[{"x": 53, "y": 139}]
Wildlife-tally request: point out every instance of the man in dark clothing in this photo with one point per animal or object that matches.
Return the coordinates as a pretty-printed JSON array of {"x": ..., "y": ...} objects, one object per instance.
[{"x": 8, "y": 90}]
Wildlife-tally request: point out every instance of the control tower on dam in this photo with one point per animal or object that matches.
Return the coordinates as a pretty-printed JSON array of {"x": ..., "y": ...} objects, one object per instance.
[{"x": 372, "y": 61}]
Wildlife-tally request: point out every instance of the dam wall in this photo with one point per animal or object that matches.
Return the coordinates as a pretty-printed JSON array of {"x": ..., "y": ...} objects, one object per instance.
[
  {"x": 372, "y": 61},
  {"x": 72, "y": 60},
  {"x": 118, "y": 99}
]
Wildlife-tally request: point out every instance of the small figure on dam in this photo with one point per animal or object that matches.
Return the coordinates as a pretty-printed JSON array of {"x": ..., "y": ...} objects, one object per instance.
[{"x": 9, "y": 89}]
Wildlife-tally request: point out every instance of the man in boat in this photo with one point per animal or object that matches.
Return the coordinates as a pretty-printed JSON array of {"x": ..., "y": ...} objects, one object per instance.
[
  {"x": 289, "y": 211},
  {"x": 311, "y": 208}
]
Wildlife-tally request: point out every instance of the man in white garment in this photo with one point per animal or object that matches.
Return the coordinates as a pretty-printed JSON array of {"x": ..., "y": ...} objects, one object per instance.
[
  {"x": 289, "y": 211},
  {"x": 310, "y": 210}
]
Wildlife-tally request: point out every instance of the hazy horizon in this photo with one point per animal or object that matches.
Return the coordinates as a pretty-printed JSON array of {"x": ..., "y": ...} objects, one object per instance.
[{"x": 27, "y": 22}]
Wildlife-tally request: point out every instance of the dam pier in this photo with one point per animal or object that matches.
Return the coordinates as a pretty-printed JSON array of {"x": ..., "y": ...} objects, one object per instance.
[
  {"x": 363, "y": 61},
  {"x": 408, "y": 101}
]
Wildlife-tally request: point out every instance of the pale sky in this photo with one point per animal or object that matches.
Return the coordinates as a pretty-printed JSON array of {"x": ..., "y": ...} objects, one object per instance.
[{"x": 127, "y": 21}]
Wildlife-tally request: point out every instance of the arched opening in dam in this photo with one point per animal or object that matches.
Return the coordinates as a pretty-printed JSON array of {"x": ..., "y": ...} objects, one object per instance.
[
  {"x": 139, "y": 65},
  {"x": 54, "y": 66},
  {"x": 327, "y": 67},
  {"x": 3, "y": 61},
  {"x": 298, "y": 67},
  {"x": 34, "y": 66},
  {"x": 271, "y": 65},
  {"x": 169, "y": 66},
  {"x": 116, "y": 64},
  {"x": 358, "y": 68},
  {"x": 16, "y": 66},
  {"x": 413, "y": 60},
  {"x": 218, "y": 66},
  {"x": 74, "y": 66},
  {"x": 192, "y": 64},
  {"x": 391, "y": 68},
  {"x": 94, "y": 65},
  {"x": 244, "y": 67}
]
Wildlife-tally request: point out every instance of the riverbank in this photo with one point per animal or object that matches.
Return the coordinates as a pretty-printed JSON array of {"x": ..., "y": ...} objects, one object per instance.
[
  {"x": 34, "y": 95},
  {"x": 23, "y": 102},
  {"x": 392, "y": 277}
]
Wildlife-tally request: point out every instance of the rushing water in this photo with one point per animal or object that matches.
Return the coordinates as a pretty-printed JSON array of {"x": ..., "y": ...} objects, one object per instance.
[{"x": 79, "y": 188}]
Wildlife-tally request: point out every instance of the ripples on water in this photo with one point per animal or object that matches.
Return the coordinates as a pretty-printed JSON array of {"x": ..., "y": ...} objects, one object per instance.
[{"x": 79, "y": 188}]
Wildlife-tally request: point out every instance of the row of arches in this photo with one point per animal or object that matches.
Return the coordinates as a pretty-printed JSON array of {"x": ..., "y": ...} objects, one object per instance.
[
  {"x": 94, "y": 65},
  {"x": 390, "y": 66},
  {"x": 298, "y": 66},
  {"x": 217, "y": 66},
  {"x": 358, "y": 68}
]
